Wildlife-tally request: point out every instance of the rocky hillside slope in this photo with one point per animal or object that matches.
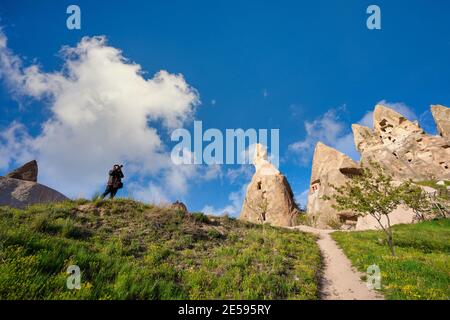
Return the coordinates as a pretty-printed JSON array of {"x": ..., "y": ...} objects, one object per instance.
[{"x": 128, "y": 250}]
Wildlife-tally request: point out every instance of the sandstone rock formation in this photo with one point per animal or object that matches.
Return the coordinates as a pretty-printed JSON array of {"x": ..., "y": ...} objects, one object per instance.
[
  {"x": 27, "y": 172},
  {"x": 269, "y": 197},
  {"x": 400, "y": 146},
  {"x": 441, "y": 116},
  {"x": 329, "y": 167},
  {"x": 20, "y": 189}
]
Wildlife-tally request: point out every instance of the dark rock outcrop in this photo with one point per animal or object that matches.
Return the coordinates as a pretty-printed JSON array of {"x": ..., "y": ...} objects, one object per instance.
[
  {"x": 20, "y": 188},
  {"x": 27, "y": 172},
  {"x": 179, "y": 206}
]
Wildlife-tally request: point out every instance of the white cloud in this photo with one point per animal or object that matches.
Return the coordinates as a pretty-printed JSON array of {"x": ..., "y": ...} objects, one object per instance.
[
  {"x": 233, "y": 209},
  {"x": 150, "y": 193},
  {"x": 367, "y": 120},
  {"x": 248, "y": 154},
  {"x": 212, "y": 171},
  {"x": 100, "y": 106},
  {"x": 11, "y": 144},
  {"x": 328, "y": 129},
  {"x": 244, "y": 171}
]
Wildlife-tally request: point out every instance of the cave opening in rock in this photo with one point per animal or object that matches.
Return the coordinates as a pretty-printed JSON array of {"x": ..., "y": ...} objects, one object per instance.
[
  {"x": 350, "y": 171},
  {"x": 315, "y": 185}
]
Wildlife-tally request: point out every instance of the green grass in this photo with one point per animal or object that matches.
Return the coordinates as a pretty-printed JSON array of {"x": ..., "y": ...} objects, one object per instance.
[
  {"x": 421, "y": 269},
  {"x": 128, "y": 250}
]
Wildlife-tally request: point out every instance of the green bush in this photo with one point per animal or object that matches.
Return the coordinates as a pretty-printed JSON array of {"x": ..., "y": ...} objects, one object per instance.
[
  {"x": 212, "y": 233},
  {"x": 200, "y": 217},
  {"x": 301, "y": 219}
]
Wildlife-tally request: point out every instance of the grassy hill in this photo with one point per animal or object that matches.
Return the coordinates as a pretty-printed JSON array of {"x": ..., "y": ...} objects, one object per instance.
[
  {"x": 421, "y": 269},
  {"x": 128, "y": 250}
]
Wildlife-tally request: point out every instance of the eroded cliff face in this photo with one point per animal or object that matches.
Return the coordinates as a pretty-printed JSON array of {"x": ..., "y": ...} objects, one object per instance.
[
  {"x": 330, "y": 167},
  {"x": 269, "y": 198},
  {"x": 400, "y": 146}
]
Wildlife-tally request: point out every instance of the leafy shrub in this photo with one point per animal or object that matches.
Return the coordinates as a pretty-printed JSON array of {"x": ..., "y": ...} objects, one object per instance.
[
  {"x": 301, "y": 219},
  {"x": 200, "y": 217},
  {"x": 334, "y": 223},
  {"x": 212, "y": 233}
]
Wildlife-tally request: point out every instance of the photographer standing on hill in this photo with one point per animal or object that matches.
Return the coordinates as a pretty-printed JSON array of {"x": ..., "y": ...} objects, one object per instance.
[{"x": 114, "y": 181}]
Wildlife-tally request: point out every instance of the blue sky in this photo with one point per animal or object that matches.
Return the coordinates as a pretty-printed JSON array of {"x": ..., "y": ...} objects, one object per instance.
[{"x": 254, "y": 64}]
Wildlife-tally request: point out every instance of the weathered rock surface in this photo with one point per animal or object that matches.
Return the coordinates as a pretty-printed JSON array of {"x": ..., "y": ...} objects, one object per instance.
[
  {"x": 20, "y": 193},
  {"x": 269, "y": 198},
  {"x": 398, "y": 216},
  {"x": 329, "y": 167},
  {"x": 402, "y": 147},
  {"x": 20, "y": 189},
  {"x": 27, "y": 172},
  {"x": 441, "y": 116}
]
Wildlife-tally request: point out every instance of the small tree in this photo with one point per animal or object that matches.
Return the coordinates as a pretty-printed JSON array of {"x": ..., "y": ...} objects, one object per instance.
[
  {"x": 423, "y": 203},
  {"x": 371, "y": 192},
  {"x": 417, "y": 199}
]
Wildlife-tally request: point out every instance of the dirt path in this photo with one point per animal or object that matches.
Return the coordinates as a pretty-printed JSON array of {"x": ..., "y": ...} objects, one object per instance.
[{"x": 340, "y": 281}]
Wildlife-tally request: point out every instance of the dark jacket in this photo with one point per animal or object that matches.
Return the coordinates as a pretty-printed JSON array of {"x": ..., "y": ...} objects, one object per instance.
[{"x": 115, "y": 178}]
